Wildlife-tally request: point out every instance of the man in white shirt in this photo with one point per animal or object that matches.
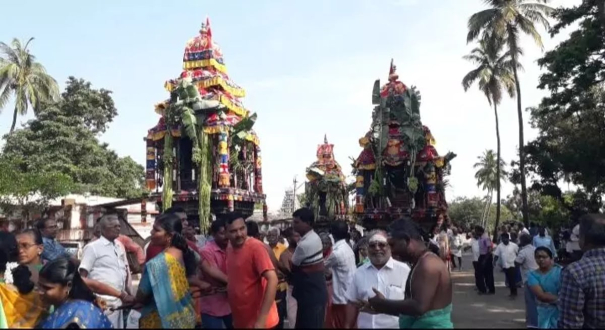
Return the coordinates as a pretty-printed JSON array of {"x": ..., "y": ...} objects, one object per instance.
[
  {"x": 382, "y": 273},
  {"x": 342, "y": 263},
  {"x": 527, "y": 262},
  {"x": 104, "y": 268},
  {"x": 507, "y": 251},
  {"x": 474, "y": 242}
]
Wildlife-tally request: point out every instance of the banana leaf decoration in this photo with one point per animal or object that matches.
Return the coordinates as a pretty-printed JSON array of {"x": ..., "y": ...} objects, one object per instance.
[
  {"x": 167, "y": 192},
  {"x": 242, "y": 129},
  {"x": 190, "y": 127},
  {"x": 204, "y": 183},
  {"x": 376, "y": 92}
]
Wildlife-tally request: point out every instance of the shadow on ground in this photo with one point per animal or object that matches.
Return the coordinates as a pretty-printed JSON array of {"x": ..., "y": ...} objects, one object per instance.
[{"x": 471, "y": 310}]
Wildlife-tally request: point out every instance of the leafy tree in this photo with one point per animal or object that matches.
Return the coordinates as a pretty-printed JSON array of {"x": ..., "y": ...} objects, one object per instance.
[
  {"x": 29, "y": 192},
  {"x": 493, "y": 74},
  {"x": 63, "y": 139},
  {"x": 467, "y": 212},
  {"x": 571, "y": 120},
  {"x": 27, "y": 79},
  {"x": 544, "y": 209},
  {"x": 507, "y": 20}
]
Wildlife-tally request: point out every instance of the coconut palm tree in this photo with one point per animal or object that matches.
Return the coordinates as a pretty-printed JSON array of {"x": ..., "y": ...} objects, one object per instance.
[
  {"x": 493, "y": 74},
  {"x": 27, "y": 79},
  {"x": 489, "y": 175},
  {"x": 508, "y": 19}
]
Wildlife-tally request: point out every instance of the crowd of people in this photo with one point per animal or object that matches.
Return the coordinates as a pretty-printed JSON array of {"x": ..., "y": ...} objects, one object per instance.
[
  {"x": 299, "y": 278},
  {"x": 556, "y": 297}
]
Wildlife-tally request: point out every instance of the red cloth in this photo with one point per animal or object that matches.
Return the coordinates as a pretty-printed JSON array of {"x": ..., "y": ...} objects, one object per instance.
[
  {"x": 131, "y": 247},
  {"x": 152, "y": 251},
  {"x": 338, "y": 315},
  {"x": 246, "y": 289}
]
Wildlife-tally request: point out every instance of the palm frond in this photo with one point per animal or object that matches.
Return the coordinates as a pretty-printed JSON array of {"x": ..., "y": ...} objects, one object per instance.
[
  {"x": 9, "y": 52},
  {"x": 528, "y": 27},
  {"x": 471, "y": 77},
  {"x": 479, "y": 22},
  {"x": 4, "y": 97}
]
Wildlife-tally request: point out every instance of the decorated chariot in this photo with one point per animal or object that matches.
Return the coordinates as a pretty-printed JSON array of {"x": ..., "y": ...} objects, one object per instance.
[
  {"x": 399, "y": 172},
  {"x": 326, "y": 189},
  {"x": 203, "y": 154}
]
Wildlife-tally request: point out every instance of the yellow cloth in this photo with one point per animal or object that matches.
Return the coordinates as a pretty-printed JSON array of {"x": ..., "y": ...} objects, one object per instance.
[
  {"x": 21, "y": 311},
  {"x": 278, "y": 249}
]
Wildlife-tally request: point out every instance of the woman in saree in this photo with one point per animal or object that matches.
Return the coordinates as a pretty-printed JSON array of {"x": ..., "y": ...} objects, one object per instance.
[
  {"x": 29, "y": 242},
  {"x": 20, "y": 305},
  {"x": 164, "y": 291},
  {"x": 76, "y": 307},
  {"x": 545, "y": 283}
]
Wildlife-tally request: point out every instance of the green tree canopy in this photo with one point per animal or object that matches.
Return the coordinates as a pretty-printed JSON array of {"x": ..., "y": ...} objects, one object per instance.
[
  {"x": 571, "y": 121},
  {"x": 466, "y": 212},
  {"x": 63, "y": 138},
  {"x": 29, "y": 192}
]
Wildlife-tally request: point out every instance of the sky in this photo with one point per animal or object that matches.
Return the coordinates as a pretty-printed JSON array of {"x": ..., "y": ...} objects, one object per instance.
[{"x": 308, "y": 68}]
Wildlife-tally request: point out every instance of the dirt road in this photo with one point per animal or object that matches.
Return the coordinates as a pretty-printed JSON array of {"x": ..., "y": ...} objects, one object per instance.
[{"x": 471, "y": 310}]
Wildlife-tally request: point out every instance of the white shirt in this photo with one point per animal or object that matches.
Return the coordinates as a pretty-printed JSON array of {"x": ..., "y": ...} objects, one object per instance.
[
  {"x": 527, "y": 260},
  {"x": 309, "y": 250},
  {"x": 389, "y": 280},
  {"x": 574, "y": 240},
  {"x": 507, "y": 254},
  {"x": 342, "y": 263},
  {"x": 524, "y": 231},
  {"x": 475, "y": 249},
  {"x": 456, "y": 245},
  {"x": 106, "y": 262}
]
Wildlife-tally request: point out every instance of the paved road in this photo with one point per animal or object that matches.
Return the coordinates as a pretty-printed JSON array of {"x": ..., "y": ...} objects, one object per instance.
[{"x": 487, "y": 311}]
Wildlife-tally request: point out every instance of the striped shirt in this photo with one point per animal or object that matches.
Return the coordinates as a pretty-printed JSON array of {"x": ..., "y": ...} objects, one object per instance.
[
  {"x": 582, "y": 296},
  {"x": 309, "y": 250}
]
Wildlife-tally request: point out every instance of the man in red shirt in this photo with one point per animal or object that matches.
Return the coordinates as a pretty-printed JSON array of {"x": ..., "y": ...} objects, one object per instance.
[{"x": 252, "y": 278}]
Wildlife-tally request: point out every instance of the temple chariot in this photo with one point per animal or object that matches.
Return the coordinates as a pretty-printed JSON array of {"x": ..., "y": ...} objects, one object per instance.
[
  {"x": 203, "y": 154},
  {"x": 399, "y": 172}
]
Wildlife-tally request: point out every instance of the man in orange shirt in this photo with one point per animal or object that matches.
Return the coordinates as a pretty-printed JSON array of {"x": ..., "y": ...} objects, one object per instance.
[{"x": 252, "y": 278}]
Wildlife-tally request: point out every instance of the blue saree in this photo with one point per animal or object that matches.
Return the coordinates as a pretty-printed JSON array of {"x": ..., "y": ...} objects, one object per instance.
[
  {"x": 548, "y": 314},
  {"x": 165, "y": 280},
  {"x": 82, "y": 313}
]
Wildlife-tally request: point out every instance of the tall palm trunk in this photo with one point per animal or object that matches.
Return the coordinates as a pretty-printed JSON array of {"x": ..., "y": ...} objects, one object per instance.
[
  {"x": 488, "y": 202},
  {"x": 15, "y": 115},
  {"x": 513, "y": 48},
  {"x": 497, "y": 174}
]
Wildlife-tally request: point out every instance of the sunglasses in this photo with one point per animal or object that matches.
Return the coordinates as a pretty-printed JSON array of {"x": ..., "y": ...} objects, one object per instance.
[{"x": 375, "y": 245}]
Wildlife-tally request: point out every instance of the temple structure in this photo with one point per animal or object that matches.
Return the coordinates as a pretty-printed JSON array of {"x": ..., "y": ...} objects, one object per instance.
[
  {"x": 399, "y": 172},
  {"x": 326, "y": 189},
  {"x": 203, "y": 154}
]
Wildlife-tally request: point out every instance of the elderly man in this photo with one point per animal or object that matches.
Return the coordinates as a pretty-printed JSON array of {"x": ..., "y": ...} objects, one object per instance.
[
  {"x": 277, "y": 248},
  {"x": 104, "y": 268},
  {"x": 382, "y": 273}
]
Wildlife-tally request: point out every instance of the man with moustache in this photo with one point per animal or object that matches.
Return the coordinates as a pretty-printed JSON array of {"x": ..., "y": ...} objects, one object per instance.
[
  {"x": 382, "y": 273},
  {"x": 251, "y": 277}
]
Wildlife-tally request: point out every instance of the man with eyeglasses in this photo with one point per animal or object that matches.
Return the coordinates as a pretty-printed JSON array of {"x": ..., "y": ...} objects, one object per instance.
[
  {"x": 382, "y": 273},
  {"x": 52, "y": 248}
]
